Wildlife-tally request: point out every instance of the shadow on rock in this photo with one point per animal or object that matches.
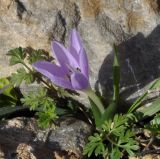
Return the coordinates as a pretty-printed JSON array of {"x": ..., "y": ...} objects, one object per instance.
[{"x": 139, "y": 59}]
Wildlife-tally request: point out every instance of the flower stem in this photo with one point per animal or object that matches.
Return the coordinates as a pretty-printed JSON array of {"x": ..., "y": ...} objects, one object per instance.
[
  {"x": 23, "y": 63},
  {"x": 91, "y": 94}
]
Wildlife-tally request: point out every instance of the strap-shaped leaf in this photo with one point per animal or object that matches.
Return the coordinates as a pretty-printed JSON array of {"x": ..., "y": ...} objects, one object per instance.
[
  {"x": 116, "y": 76},
  {"x": 152, "y": 109},
  {"x": 138, "y": 102},
  {"x": 4, "y": 111},
  {"x": 96, "y": 113},
  {"x": 112, "y": 108}
]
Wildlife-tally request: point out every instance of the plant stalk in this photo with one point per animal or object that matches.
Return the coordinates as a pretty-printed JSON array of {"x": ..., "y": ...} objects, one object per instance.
[{"x": 91, "y": 94}]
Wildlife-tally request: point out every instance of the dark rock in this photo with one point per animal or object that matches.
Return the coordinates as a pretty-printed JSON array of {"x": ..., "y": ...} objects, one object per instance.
[
  {"x": 70, "y": 136},
  {"x": 20, "y": 137}
]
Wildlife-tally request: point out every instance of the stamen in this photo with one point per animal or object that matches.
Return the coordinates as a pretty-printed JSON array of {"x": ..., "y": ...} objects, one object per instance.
[
  {"x": 68, "y": 77},
  {"x": 78, "y": 69},
  {"x": 71, "y": 69}
]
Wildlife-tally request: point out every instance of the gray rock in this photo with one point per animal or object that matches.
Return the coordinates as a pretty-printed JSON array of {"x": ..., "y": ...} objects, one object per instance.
[
  {"x": 132, "y": 24},
  {"x": 71, "y": 135},
  {"x": 21, "y": 137}
]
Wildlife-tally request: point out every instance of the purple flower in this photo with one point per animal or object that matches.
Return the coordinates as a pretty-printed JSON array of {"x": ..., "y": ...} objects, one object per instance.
[{"x": 71, "y": 70}]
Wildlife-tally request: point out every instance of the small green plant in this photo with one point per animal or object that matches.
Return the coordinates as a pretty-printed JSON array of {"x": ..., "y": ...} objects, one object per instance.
[
  {"x": 154, "y": 125},
  {"x": 43, "y": 105},
  {"x": 40, "y": 101},
  {"x": 25, "y": 57},
  {"x": 155, "y": 122},
  {"x": 113, "y": 140}
]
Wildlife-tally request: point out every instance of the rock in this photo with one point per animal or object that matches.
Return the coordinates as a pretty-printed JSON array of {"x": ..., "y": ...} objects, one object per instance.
[
  {"x": 150, "y": 156},
  {"x": 139, "y": 60},
  {"x": 132, "y": 24},
  {"x": 24, "y": 151},
  {"x": 73, "y": 138},
  {"x": 21, "y": 138}
]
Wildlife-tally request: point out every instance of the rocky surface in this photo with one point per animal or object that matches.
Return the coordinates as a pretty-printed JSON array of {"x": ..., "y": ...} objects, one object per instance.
[
  {"x": 20, "y": 138},
  {"x": 146, "y": 157},
  {"x": 132, "y": 24}
]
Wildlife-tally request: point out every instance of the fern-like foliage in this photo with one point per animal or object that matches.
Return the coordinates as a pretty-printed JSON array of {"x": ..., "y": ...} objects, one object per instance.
[
  {"x": 154, "y": 125},
  {"x": 21, "y": 76},
  {"x": 95, "y": 145},
  {"x": 156, "y": 121},
  {"x": 44, "y": 105},
  {"x": 17, "y": 55},
  {"x": 113, "y": 140},
  {"x": 25, "y": 57}
]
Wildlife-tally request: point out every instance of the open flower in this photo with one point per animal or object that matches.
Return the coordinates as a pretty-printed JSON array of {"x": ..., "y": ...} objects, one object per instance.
[{"x": 71, "y": 70}]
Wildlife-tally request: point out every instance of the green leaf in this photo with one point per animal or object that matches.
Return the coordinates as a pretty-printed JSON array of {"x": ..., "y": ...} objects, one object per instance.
[
  {"x": 20, "y": 76},
  {"x": 97, "y": 107},
  {"x": 109, "y": 112},
  {"x": 44, "y": 105},
  {"x": 117, "y": 126},
  {"x": 36, "y": 99},
  {"x": 96, "y": 113},
  {"x": 115, "y": 137},
  {"x": 100, "y": 149},
  {"x": 62, "y": 111},
  {"x": 120, "y": 135},
  {"x": 37, "y": 55},
  {"x": 116, "y": 153},
  {"x": 154, "y": 125},
  {"x": 95, "y": 144},
  {"x": 8, "y": 89},
  {"x": 116, "y": 76},
  {"x": 128, "y": 143},
  {"x": 4, "y": 111},
  {"x": 156, "y": 120},
  {"x": 156, "y": 84},
  {"x": 7, "y": 101},
  {"x": 8, "y": 96},
  {"x": 2, "y": 90},
  {"x": 138, "y": 102},
  {"x": 112, "y": 108},
  {"x": 17, "y": 56},
  {"x": 45, "y": 118},
  {"x": 152, "y": 109}
]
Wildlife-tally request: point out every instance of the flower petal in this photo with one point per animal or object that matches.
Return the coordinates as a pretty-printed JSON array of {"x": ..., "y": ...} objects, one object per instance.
[
  {"x": 73, "y": 51},
  {"x": 63, "y": 56},
  {"x": 83, "y": 62},
  {"x": 55, "y": 73},
  {"x": 79, "y": 81},
  {"x": 75, "y": 41}
]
